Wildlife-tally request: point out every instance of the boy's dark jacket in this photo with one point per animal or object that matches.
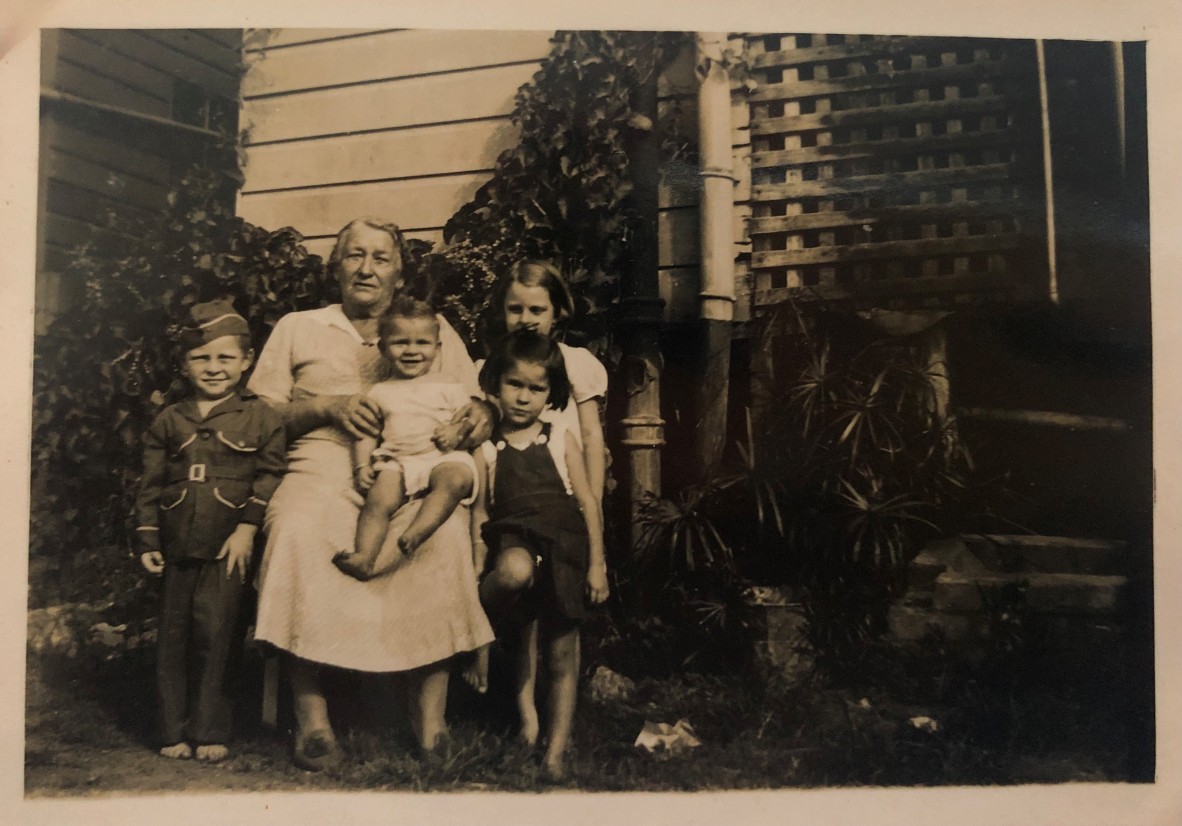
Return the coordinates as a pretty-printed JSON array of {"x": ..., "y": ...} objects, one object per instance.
[{"x": 202, "y": 477}]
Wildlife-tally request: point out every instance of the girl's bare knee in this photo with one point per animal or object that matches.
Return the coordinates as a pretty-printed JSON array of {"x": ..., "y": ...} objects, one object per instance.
[{"x": 515, "y": 568}]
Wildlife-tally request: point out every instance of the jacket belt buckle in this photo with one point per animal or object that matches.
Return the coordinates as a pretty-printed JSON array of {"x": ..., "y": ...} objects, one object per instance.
[{"x": 197, "y": 473}]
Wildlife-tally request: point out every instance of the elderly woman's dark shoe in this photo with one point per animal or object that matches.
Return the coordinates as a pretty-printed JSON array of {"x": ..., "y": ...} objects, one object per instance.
[{"x": 316, "y": 751}]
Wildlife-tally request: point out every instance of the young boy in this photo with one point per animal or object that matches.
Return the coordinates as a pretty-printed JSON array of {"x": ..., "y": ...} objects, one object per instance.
[
  {"x": 414, "y": 402},
  {"x": 211, "y": 464}
]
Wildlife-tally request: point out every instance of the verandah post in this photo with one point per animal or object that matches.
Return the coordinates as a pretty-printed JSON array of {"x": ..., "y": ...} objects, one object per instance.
[
  {"x": 641, "y": 306},
  {"x": 716, "y": 295}
]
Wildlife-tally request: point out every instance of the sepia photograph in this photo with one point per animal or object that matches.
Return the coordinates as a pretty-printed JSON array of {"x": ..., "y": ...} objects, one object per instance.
[{"x": 793, "y": 427}]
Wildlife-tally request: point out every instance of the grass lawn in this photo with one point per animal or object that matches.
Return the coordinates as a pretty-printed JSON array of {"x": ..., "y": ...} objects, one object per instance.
[{"x": 88, "y": 734}]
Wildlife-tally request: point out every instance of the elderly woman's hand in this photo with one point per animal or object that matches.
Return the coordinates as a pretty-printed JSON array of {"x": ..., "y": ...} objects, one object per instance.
[
  {"x": 472, "y": 424},
  {"x": 359, "y": 416}
]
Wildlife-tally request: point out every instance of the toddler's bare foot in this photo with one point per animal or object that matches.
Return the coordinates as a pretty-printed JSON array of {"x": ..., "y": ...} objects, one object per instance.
[
  {"x": 409, "y": 542},
  {"x": 475, "y": 673},
  {"x": 212, "y": 753},
  {"x": 177, "y": 751},
  {"x": 354, "y": 566}
]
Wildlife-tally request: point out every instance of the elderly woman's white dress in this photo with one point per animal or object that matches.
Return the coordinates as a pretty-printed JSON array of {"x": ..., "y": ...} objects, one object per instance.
[{"x": 427, "y": 609}]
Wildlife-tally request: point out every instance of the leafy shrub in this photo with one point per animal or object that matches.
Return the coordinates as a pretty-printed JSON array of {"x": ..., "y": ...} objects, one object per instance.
[
  {"x": 846, "y": 470},
  {"x": 106, "y": 366},
  {"x": 563, "y": 192}
]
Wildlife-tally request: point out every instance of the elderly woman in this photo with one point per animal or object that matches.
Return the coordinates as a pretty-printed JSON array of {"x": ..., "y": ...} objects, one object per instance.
[{"x": 314, "y": 369}]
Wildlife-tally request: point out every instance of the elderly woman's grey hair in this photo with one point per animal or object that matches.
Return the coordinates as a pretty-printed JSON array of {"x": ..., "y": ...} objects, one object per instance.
[{"x": 380, "y": 224}]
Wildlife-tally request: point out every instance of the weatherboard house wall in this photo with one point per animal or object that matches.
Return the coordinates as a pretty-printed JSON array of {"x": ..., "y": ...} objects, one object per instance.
[
  {"x": 401, "y": 124},
  {"x": 123, "y": 113},
  {"x": 407, "y": 124}
]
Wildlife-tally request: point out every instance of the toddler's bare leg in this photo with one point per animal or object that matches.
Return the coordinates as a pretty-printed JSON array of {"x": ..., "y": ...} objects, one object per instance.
[
  {"x": 384, "y": 499},
  {"x": 450, "y": 483},
  {"x": 562, "y": 658}
]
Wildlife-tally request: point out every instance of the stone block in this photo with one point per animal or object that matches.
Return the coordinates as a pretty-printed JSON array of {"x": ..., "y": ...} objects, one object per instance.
[
  {"x": 1043, "y": 593},
  {"x": 785, "y": 646},
  {"x": 912, "y": 624}
]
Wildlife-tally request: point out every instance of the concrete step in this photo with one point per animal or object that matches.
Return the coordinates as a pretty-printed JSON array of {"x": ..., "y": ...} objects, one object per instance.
[
  {"x": 1042, "y": 593},
  {"x": 974, "y": 554},
  {"x": 1081, "y": 634},
  {"x": 1049, "y": 554}
]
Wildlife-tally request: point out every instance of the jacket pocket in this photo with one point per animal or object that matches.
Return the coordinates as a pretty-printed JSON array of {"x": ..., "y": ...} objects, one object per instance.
[
  {"x": 238, "y": 442},
  {"x": 179, "y": 451},
  {"x": 228, "y": 500},
  {"x": 170, "y": 505}
]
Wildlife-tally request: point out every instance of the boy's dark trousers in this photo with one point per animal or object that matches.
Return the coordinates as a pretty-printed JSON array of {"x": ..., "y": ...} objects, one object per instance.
[{"x": 198, "y": 627}]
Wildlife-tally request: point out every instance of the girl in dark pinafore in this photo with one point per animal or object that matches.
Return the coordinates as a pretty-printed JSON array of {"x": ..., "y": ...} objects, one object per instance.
[{"x": 542, "y": 525}]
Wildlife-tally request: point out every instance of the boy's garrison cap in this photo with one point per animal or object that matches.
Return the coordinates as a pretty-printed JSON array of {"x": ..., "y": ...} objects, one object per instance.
[{"x": 212, "y": 320}]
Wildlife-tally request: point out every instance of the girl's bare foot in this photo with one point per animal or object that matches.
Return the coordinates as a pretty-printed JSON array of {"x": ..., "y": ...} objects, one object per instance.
[
  {"x": 475, "y": 673},
  {"x": 177, "y": 751},
  {"x": 529, "y": 726},
  {"x": 212, "y": 753},
  {"x": 554, "y": 767},
  {"x": 353, "y": 565}
]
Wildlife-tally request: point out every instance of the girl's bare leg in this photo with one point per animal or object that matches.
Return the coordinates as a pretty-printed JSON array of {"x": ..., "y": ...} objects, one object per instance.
[
  {"x": 450, "y": 483},
  {"x": 383, "y": 500},
  {"x": 563, "y": 671},
  {"x": 427, "y": 698},
  {"x": 526, "y": 678},
  {"x": 512, "y": 575}
]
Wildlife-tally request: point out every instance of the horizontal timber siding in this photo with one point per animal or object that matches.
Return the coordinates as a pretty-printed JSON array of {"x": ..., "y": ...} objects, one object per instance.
[
  {"x": 99, "y": 157},
  {"x": 404, "y": 124}
]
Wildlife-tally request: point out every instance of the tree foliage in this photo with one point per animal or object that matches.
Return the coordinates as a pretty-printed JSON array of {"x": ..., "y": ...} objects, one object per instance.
[
  {"x": 106, "y": 366},
  {"x": 563, "y": 192}
]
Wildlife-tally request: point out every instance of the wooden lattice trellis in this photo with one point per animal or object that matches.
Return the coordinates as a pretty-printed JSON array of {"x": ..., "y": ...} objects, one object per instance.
[{"x": 895, "y": 171}]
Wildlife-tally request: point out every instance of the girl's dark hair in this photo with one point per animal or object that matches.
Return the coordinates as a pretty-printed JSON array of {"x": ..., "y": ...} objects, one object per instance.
[
  {"x": 531, "y": 347},
  {"x": 403, "y": 306},
  {"x": 533, "y": 272}
]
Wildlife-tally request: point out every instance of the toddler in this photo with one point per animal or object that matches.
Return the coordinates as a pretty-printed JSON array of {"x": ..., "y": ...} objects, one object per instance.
[{"x": 405, "y": 463}]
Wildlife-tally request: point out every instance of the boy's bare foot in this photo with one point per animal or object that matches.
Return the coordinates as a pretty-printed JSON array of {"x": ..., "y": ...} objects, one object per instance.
[
  {"x": 177, "y": 751},
  {"x": 354, "y": 566},
  {"x": 475, "y": 673},
  {"x": 212, "y": 753}
]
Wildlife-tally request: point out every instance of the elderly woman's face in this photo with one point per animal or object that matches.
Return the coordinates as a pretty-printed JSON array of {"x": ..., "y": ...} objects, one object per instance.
[{"x": 370, "y": 270}]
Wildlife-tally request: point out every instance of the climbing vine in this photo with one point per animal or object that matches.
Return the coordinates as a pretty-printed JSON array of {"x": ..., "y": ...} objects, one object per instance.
[{"x": 564, "y": 191}]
